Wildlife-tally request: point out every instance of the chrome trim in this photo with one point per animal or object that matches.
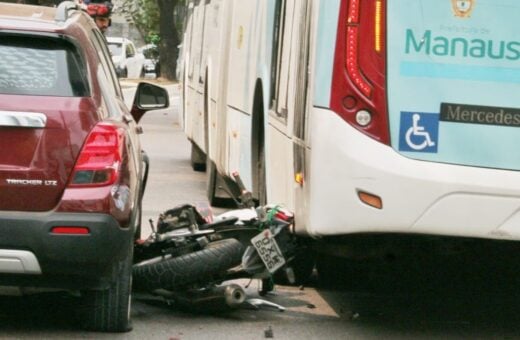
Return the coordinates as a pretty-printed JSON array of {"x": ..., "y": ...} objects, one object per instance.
[
  {"x": 23, "y": 119},
  {"x": 18, "y": 262}
]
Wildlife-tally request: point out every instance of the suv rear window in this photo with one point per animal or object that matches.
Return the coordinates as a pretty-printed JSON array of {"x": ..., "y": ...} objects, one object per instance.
[{"x": 41, "y": 66}]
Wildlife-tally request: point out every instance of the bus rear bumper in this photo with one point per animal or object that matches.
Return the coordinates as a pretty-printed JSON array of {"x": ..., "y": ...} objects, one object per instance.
[{"x": 417, "y": 196}]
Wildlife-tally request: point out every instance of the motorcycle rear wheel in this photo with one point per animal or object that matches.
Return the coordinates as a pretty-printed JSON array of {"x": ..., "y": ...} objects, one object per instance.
[{"x": 203, "y": 266}]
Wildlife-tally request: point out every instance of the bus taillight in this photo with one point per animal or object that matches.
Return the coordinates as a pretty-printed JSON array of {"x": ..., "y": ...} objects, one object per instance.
[
  {"x": 352, "y": 47},
  {"x": 359, "y": 80},
  {"x": 352, "y": 65}
]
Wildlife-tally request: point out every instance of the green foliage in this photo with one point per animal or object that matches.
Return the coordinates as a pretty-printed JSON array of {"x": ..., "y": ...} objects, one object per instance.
[
  {"x": 153, "y": 38},
  {"x": 145, "y": 15}
]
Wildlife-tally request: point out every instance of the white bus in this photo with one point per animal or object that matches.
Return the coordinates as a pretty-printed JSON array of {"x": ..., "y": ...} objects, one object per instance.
[{"x": 362, "y": 116}]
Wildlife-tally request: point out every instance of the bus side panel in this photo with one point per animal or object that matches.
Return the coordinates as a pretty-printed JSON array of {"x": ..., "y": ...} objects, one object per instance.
[
  {"x": 219, "y": 137},
  {"x": 186, "y": 61},
  {"x": 214, "y": 20},
  {"x": 193, "y": 91},
  {"x": 211, "y": 71},
  {"x": 241, "y": 52},
  {"x": 246, "y": 49},
  {"x": 237, "y": 92},
  {"x": 280, "y": 160}
]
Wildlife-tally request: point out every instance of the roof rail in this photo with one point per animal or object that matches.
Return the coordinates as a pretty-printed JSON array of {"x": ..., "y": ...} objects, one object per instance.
[{"x": 62, "y": 13}]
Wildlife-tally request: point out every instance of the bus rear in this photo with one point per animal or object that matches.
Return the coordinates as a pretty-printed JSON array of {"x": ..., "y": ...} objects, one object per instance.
[{"x": 416, "y": 131}]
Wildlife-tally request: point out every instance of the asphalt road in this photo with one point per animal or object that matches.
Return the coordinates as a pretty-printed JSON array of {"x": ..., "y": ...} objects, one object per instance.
[{"x": 473, "y": 292}]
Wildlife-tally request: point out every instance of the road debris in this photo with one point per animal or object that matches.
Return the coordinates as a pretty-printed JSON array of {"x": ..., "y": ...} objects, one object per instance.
[{"x": 268, "y": 333}]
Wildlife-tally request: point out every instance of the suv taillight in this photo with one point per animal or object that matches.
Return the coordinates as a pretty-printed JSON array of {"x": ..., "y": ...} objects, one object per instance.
[
  {"x": 100, "y": 158},
  {"x": 359, "y": 79}
]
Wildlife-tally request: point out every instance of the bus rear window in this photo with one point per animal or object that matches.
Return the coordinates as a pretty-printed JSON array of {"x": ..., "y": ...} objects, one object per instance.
[{"x": 42, "y": 67}]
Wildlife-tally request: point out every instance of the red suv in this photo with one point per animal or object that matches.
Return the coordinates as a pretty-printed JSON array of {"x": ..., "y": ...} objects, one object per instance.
[{"x": 72, "y": 173}]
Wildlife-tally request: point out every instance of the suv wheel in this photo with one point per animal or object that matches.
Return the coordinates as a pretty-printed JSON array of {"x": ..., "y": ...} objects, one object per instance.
[{"x": 109, "y": 310}]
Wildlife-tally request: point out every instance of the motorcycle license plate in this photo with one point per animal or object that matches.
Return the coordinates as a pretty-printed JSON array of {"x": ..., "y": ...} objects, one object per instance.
[{"x": 266, "y": 246}]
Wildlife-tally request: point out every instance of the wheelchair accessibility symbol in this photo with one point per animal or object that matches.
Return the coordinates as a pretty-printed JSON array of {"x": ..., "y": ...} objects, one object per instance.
[{"x": 419, "y": 132}]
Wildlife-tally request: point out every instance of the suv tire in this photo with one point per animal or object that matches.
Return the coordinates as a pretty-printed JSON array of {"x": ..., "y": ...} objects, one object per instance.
[{"x": 109, "y": 310}]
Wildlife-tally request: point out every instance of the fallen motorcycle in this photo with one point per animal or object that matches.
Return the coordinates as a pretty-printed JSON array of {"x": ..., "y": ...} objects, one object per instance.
[{"x": 186, "y": 257}]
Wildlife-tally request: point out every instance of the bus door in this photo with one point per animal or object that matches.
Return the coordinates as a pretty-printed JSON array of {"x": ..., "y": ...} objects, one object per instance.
[
  {"x": 288, "y": 100},
  {"x": 300, "y": 129}
]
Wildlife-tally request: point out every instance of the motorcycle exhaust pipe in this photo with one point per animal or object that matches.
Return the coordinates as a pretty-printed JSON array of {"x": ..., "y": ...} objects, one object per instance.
[
  {"x": 213, "y": 299},
  {"x": 234, "y": 295},
  {"x": 230, "y": 296}
]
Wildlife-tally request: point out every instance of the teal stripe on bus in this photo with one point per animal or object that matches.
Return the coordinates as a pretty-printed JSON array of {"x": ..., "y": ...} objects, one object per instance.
[{"x": 461, "y": 72}]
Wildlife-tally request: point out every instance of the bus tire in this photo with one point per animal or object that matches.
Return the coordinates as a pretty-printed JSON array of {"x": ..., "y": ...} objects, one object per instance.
[
  {"x": 204, "y": 266},
  {"x": 198, "y": 158}
]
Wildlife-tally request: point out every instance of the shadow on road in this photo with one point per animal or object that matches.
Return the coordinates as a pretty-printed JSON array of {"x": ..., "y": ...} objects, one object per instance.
[
  {"x": 468, "y": 290},
  {"x": 39, "y": 312}
]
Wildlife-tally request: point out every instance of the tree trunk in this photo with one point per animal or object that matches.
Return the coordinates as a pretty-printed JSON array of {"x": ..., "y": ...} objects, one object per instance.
[{"x": 168, "y": 46}]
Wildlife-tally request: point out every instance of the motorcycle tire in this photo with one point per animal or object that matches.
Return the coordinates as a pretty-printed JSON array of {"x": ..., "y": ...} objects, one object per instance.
[{"x": 203, "y": 266}]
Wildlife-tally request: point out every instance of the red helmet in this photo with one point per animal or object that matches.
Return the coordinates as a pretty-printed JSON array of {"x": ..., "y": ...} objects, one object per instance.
[{"x": 103, "y": 9}]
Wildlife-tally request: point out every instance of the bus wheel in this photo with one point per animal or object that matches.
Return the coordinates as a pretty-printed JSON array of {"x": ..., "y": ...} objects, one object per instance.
[{"x": 198, "y": 158}]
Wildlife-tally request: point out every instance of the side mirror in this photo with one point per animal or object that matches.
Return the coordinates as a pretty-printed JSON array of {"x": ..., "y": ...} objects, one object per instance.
[{"x": 149, "y": 97}]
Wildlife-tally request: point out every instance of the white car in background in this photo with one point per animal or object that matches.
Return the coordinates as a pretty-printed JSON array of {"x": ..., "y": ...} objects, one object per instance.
[{"x": 129, "y": 63}]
